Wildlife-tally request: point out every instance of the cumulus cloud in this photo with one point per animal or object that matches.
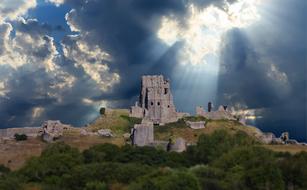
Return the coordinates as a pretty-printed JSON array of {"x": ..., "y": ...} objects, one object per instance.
[
  {"x": 56, "y": 2},
  {"x": 92, "y": 60},
  {"x": 39, "y": 81},
  {"x": 12, "y": 9}
]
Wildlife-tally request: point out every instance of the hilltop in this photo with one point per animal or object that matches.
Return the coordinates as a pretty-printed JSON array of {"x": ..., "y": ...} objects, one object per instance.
[{"x": 15, "y": 153}]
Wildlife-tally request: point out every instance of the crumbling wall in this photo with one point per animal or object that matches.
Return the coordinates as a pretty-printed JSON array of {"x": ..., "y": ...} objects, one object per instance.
[
  {"x": 29, "y": 131},
  {"x": 221, "y": 113},
  {"x": 156, "y": 101},
  {"x": 143, "y": 134}
]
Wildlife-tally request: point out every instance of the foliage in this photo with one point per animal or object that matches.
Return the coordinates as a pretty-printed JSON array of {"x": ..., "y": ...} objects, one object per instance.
[
  {"x": 211, "y": 147},
  {"x": 95, "y": 185},
  {"x": 220, "y": 161},
  {"x": 132, "y": 120},
  {"x": 102, "y": 111},
  {"x": 294, "y": 169},
  {"x": 20, "y": 137},
  {"x": 165, "y": 180}
]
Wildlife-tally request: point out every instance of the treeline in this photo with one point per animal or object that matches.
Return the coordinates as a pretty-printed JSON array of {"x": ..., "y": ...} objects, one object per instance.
[{"x": 220, "y": 161}]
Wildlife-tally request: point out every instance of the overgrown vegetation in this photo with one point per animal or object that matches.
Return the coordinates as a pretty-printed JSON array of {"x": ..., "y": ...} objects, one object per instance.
[
  {"x": 20, "y": 137},
  {"x": 220, "y": 161}
]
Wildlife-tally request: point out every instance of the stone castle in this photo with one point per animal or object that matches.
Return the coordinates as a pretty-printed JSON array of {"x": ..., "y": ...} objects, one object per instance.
[{"x": 156, "y": 101}]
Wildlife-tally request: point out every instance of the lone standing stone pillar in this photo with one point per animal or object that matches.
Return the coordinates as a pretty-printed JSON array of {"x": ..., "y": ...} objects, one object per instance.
[{"x": 143, "y": 134}]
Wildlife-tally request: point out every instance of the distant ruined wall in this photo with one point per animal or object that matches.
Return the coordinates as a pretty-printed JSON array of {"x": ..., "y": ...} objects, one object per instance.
[
  {"x": 221, "y": 113},
  {"x": 29, "y": 131}
]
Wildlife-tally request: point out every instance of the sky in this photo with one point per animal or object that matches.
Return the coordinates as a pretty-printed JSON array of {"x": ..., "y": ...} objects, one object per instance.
[{"x": 64, "y": 59}]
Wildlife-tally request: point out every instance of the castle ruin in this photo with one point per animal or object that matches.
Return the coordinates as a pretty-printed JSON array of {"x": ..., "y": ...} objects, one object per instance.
[{"x": 155, "y": 101}]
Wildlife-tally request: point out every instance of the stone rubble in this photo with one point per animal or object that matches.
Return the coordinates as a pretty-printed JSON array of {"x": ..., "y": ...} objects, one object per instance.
[
  {"x": 53, "y": 130},
  {"x": 105, "y": 132},
  {"x": 196, "y": 124}
]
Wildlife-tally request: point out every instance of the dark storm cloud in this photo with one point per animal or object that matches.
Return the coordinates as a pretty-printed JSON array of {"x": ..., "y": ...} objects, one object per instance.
[
  {"x": 127, "y": 30},
  {"x": 247, "y": 80}
]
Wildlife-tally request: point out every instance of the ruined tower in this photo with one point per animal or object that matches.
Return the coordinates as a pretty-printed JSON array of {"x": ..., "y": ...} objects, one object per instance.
[{"x": 156, "y": 101}]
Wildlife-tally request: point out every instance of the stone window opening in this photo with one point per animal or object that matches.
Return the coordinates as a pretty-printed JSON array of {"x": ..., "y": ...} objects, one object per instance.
[
  {"x": 158, "y": 103},
  {"x": 168, "y": 106},
  {"x": 152, "y": 103},
  {"x": 165, "y": 90}
]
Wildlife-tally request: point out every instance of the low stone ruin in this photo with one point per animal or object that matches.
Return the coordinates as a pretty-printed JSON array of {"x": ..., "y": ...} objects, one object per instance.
[
  {"x": 29, "y": 131},
  {"x": 179, "y": 145},
  {"x": 221, "y": 113},
  {"x": 105, "y": 132},
  {"x": 53, "y": 130},
  {"x": 196, "y": 124},
  {"x": 142, "y": 134}
]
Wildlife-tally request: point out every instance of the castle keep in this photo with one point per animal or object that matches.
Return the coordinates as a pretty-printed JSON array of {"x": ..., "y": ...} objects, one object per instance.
[{"x": 155, "y": 101}]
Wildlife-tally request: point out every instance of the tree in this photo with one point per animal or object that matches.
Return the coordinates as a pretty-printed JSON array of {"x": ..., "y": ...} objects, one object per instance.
[
  {"x": 102, "y": 111},
  {"x": 20, "y": 137},
  {"x": 165, "y": 180},
  {"x": 96, "y": 185}
]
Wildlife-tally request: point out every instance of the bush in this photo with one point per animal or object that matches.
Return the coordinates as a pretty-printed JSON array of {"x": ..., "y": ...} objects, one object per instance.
[
  {"x": 98, "y": 153},
  {"x": 55, "y": 161},
  {"x": 165, "y": 180},
  {"x": 211, "y": 147},
  {"x": 20, "y": 137},
  {"x": 252, "y": 168},
  {"x": 95, "y": 185},
  {"x": 4, "y": 170},
  {"x": 102, "y": 111},
  {"x": 294, "y": 169}
]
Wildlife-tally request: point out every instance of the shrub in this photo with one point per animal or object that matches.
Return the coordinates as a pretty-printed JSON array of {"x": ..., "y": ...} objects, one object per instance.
[
  {"x": 95, "y": 185},
  {"x": 102, "y": 111},
  {"x": 56, "y": 160},
  {"x": 165, "y": 180},
  {"x": 103, "y": 152},
  {"x": 20, "y": 137}
]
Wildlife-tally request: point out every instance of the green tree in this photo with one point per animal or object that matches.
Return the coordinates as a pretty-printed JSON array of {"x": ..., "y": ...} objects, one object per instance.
[
  {"x": 103, "y": 152},
  {"x": 165, "y": 180},
  {"x": 252, "y": 168},
  {"x": 55, "y": 161},
  {"x": 294, "y": 169},
  {"x": 96, "y": 185},
  {"x": 102, "y": 111}
]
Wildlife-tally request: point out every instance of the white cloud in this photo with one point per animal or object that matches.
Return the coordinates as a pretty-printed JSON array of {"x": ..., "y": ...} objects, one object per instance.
[
  {"x": 202, "y": 31},
  {"x": 56, "y": 2},
  {"x": 31, "y": 52},
  {"x": 37, "y": 112},
  {"x": 92, "y": 60},
  {"x": 3, "y": 89},
  {"x": 12, "y": 9},
  {"x": 70, "y": 21}
]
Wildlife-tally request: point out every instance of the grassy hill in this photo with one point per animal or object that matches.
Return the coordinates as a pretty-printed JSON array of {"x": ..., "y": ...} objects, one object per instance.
[
  {"x": 14, "y": 154},
  {"x": 119, "y": 122}
]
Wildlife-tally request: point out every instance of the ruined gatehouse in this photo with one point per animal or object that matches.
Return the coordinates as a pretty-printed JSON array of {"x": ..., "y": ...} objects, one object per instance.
[{"x": 155, "y": 101}]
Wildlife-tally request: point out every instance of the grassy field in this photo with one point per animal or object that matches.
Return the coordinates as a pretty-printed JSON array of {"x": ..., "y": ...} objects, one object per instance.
[{"x": 14, "y": 154}]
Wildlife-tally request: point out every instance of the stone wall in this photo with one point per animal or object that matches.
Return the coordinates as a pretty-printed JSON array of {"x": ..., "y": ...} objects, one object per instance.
[
  {"x": 197, "y": 124},
  {"x": 221, "y": 113},
  {"x": 29, "y": 131}
]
